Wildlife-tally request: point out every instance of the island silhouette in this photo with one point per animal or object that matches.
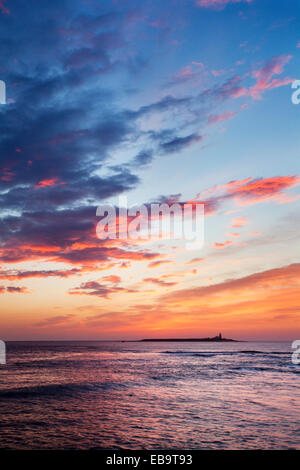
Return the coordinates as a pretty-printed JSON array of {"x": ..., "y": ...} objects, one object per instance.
[{"x": 217, "y": 338}]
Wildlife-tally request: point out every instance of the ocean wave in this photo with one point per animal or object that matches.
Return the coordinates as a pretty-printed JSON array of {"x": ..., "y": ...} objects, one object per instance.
[
  {"x": 59, "y": 390},
  {"x": 223, "y": 353},
  {"x": 265, "y": 369}
]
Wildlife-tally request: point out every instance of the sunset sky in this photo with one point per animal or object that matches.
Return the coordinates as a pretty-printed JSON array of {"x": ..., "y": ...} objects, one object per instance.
[{"x": 173, "y": 100}]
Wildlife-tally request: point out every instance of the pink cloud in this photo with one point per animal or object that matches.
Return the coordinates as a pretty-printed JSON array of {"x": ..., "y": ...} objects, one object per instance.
[
  {"x": 48, "y": 182},
  {"x": 218, "y": 73},
  {"x": 261, "y": 189},
  {"x": 218, "y": 4},
  {"x": 220, "y": 246},
  {"x": 188, "y": 73},
  {"x": 248, "y": 191},
  {"x": 156, "y": 264},
  {"x": 3, "y": 8},
  {"x": 7, "y": 175},
  {"x": 264, "y": 76},
  {"x": 221, "y": 117},
  {"x": 239, "y": 222},
  {"x": 195, "y": 260},
  {"x": 113, "y": 278}
]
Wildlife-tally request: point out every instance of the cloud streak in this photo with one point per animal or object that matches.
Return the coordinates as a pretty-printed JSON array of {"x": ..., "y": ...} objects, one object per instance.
[{"x": 218, "y": 4}]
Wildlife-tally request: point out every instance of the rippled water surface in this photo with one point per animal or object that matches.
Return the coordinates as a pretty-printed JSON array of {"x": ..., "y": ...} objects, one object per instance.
[{"x": 131, "y": 395}]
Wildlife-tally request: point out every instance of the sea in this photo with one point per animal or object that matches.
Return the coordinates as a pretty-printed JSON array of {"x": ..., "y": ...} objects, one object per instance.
[{"x": 149, "y": 395}]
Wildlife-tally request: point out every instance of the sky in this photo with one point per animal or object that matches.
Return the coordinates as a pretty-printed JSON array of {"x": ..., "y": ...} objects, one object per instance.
[{"x": 172, "y": 101}]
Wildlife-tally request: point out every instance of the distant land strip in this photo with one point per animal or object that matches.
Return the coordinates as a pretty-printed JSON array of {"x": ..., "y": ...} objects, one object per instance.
[{"x": 215, "y": 339}]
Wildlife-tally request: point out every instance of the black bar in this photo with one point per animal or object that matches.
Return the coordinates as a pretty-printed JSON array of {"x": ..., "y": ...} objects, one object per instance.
[{"x": 142, "y": 459}]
